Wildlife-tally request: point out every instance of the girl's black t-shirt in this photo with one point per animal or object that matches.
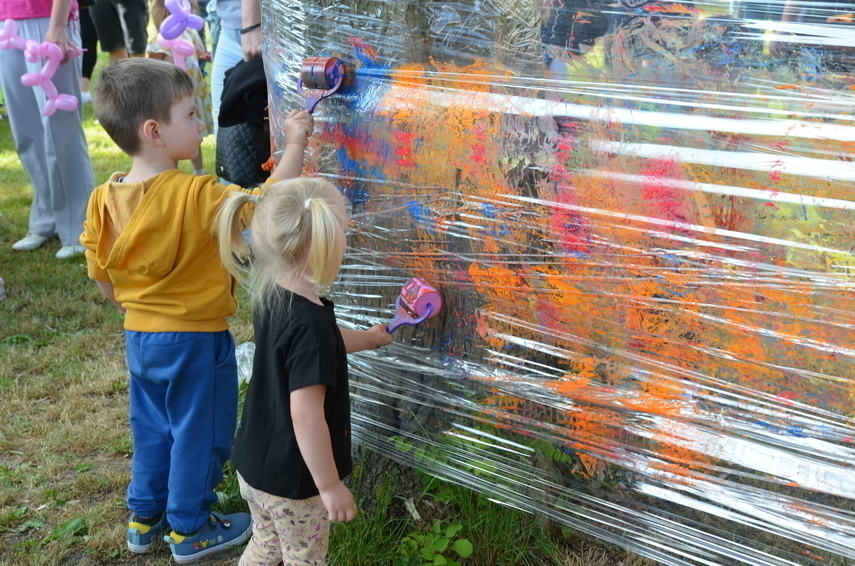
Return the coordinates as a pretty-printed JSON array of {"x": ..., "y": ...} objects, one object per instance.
[{"x": 298, "y": 345}]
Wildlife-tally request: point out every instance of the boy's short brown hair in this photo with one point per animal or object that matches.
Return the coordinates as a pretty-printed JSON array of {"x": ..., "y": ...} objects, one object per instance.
[{"x": 131, "y": 91}]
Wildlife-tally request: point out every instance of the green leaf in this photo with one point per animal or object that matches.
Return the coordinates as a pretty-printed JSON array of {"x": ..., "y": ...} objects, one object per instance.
[
  {"x": 463, "y": 548},
  {"x": 447, "y": 495},
  {"x": 437, "y": 527},
  {"x": 419, "y": 454},
  {"x": 70, "y": 529},
  {"x": 429, "y": 457},
  {"x": 441, "y": 544},
  {"x": 402, "y": 445},
  {"x": 439, "y": 560},
  {"x": 18, "y": 339},
  {"x": 31, "y": 524},
  {"x": 480, "y": 467},
  {"x": 452, "y": 530}
]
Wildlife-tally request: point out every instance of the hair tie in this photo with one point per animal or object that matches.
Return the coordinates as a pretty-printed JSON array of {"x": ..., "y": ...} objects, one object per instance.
[
  {"x": 255, "y": 198},
  {"x": 307, "y": 203}
]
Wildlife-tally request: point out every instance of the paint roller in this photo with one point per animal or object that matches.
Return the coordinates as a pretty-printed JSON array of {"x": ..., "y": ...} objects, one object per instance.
[
  {"x": 320, "y": 77},
  {"x": 417, "y": 302}
]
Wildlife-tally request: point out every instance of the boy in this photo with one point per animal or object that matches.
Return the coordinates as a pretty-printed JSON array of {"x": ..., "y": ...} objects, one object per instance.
[{"x": 150, "y": 249}]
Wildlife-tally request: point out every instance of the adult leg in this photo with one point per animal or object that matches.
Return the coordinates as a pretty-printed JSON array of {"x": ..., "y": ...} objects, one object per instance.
[
  {"x": 25, "y": 111},
  {"x": 52, "y": 149},
  {"x": 89, "y": 42},
  {"x": 110, "y": 32},
  {"x": 133, "y": 15},
  {"x": 69, "y": 166},
  {"x": 228, "y": 55}
]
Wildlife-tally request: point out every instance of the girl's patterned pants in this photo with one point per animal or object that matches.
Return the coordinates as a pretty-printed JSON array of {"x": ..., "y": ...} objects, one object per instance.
[{"x": 295, "y": 532}]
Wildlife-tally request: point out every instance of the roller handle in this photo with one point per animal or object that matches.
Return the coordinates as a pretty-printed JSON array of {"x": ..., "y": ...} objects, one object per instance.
[{"x": 417, "y": 302}]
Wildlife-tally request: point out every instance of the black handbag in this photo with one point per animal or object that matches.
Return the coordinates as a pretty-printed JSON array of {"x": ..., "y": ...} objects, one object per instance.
[
  {"x": 243, "y": 136},
  {"x": 241, "y": 151}
]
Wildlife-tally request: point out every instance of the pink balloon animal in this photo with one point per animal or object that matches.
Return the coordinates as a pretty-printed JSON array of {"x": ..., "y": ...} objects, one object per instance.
[
  {"x": 33, "y": 52},
  {"x": 179, "y": 19},
  {"x": 180, "y": 48}
]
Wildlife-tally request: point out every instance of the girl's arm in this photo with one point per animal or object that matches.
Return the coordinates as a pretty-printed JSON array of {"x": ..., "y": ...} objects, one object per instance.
[
  {"x": 313, "y": 438},
  {"x": 358, "y": 340}
]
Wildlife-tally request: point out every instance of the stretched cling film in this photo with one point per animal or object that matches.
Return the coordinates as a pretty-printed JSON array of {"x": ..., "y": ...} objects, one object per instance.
[{"x": 640, "y": 219}]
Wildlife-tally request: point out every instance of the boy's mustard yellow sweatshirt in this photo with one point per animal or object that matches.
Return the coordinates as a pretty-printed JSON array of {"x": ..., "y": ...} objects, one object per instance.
[{"x": 153, "y": 241}]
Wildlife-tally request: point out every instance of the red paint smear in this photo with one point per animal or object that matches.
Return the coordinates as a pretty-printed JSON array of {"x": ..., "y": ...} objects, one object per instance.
[
  {"x": 404, "y": 148},
  {"x": 667, "y": 200},
  {"x": 364, "y": 47}
]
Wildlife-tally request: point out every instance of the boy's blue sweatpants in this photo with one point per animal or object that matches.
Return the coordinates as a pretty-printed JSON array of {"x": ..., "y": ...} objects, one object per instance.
[{"x": 183, "y": 412}]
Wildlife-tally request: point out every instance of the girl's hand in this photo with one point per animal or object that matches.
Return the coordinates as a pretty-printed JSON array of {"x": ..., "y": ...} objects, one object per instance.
[
  {"x": 339, "y": 503},
  {"x": 299, "y": 126},
  {"x": 378, "y": 336}
]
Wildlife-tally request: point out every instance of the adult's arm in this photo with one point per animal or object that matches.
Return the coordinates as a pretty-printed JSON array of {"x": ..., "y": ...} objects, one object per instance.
[
  {"x": 250, "y": 42},
  {"x": 57, "y": 28}
]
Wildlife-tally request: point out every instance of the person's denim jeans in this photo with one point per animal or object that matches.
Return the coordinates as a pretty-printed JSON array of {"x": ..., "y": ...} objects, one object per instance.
[{"x": 228, "y": 55}]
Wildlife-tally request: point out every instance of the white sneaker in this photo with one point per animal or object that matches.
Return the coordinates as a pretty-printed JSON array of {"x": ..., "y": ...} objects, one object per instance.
[
  {"x": 66, "y": 252},
  {"x": 29, "y": 243},
  {"x": 85, "y": 97}
]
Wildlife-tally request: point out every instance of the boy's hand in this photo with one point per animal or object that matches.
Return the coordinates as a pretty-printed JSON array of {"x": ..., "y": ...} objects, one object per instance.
[
  {"x": 339, "y": 503},
  {"x": 299, "y": 126},
  {"x": 378, "y": 336}
]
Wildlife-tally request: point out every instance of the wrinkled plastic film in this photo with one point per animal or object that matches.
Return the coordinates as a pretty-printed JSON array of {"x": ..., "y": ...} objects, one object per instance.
[{"x": 640, "y": 220}]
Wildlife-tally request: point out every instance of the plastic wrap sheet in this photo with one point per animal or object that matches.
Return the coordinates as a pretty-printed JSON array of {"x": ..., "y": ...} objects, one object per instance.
[{"x": 641, "y": 221}]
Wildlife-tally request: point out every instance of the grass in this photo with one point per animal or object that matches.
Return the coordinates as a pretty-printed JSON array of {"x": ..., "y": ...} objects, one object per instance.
[{"x": 65, "y": 441}]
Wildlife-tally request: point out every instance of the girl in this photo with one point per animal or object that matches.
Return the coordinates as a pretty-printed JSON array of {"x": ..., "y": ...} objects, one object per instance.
[
  {"x": 292, "y": 449},
  {"x": 159, "y": 13}
]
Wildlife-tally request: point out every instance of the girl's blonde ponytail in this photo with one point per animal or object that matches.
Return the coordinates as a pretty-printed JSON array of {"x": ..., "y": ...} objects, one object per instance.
[
  {"x": 297, "y": 232},
  {"x": 234, "y": 252},
  {"x": 326, "y": 245}
]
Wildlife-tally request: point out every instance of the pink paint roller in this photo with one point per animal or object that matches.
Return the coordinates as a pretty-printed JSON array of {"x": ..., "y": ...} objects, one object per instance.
[
  {"x": 321, "y": 77},
  {"x": 418, "y": 301}
]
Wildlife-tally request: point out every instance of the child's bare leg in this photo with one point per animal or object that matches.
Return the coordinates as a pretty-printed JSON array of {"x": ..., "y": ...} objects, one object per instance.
[{"x": 198, "y": 162}]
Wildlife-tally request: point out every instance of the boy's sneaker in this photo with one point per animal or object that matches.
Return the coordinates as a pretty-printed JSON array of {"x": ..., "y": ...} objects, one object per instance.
[
  {"x": 142, "y": 537},
  {"x": 220, "y": 533}
]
